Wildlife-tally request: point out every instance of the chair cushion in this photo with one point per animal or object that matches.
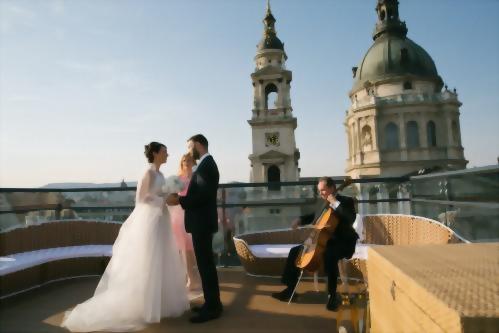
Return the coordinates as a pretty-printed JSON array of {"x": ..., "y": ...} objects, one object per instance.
[
  {"x": 358, "y": 225},
  {"x": 282, "y": 250},
  {"x": 19, "y": 261},
  {"x": 271, "y": 250}
]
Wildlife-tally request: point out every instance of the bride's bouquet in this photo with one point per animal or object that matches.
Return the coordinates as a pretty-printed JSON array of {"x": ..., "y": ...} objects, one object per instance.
[{"x": 173, "y": 184}]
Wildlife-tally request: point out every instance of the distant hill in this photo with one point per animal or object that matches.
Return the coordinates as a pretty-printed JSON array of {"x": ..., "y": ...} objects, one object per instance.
[{"x": 87, "y": 185}]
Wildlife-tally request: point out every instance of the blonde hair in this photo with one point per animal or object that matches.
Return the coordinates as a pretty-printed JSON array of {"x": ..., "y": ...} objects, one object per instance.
[{"x": 182, "y": 159}]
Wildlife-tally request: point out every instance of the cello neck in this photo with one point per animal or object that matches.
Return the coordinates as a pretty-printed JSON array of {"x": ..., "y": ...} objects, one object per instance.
[{"x": 346, "y": 182}]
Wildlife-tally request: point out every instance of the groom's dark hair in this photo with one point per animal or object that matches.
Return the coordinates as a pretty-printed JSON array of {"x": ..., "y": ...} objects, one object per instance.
[{"x": 199, "y": 138}]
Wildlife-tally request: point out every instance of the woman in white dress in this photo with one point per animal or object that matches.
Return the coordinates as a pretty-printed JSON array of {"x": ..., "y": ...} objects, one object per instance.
[{"x": 145, "y": 278}]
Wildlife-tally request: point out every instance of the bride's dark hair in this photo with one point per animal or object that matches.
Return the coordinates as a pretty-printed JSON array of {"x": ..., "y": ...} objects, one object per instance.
[{"x": 153, "y": 147}]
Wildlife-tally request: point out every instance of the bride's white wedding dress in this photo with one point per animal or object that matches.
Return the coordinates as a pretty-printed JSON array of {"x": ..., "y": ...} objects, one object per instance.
[{"x": 145, "y": 279}]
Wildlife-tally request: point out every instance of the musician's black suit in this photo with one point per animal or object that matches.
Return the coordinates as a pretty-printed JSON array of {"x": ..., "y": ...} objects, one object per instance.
[{"x": 340, "y": 245}]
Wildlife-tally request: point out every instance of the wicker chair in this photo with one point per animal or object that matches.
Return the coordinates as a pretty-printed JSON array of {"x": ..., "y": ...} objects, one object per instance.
[
  {"x": 266, "y": 266},
  {"x": 397, "y": 229},
  {"x": 385, "y": 229}
]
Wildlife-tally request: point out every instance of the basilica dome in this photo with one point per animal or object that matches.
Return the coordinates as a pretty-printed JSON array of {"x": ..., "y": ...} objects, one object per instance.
[{"x": 393, "y": 54}]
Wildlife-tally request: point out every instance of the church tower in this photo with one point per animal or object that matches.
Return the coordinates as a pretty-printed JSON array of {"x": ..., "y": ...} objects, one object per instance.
[
  {"x": 274, "y": 157},
  {"x": 402, "y": 118}
]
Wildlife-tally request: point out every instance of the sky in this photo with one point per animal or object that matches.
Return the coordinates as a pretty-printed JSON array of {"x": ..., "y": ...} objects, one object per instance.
[{"x": 85, "y": 84}]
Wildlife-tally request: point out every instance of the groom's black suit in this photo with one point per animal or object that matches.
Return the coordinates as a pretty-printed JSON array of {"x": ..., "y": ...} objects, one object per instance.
[{"x": 201, "y": 220}]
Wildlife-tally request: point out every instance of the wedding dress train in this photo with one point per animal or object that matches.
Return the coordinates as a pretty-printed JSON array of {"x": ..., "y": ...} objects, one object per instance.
[{"x": 145, "y": 279}]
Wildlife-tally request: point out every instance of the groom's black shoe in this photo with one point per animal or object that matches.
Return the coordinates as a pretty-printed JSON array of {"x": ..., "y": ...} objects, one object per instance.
[
  {"x": 197, "y": 308},
  {"x": 205, "y": 314}
]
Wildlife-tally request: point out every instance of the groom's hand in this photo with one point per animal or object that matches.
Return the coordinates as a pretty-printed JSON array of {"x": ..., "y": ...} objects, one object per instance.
[{"x": 172, "y": 199}]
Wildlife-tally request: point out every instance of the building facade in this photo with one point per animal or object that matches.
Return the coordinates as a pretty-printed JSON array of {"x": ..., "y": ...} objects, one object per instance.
[
  {"x": 274, "y": 154},
  {"x": 274, "y": 157},
  {"x": 402, "y": 118}
]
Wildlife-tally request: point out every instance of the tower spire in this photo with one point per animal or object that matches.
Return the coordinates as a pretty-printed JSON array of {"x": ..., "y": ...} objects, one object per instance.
[
  {"x": 269, "y": 20},
  {"x": 269, "y": 40}
]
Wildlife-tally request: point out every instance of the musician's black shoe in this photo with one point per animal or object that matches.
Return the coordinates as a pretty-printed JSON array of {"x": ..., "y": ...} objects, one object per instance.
[
  {"x": 334, "y": 302},
  {"x": 285, "y": 295}
]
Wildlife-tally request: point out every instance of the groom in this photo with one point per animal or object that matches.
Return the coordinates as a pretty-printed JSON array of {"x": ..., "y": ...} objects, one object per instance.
[{"x": 201, "y": 220}]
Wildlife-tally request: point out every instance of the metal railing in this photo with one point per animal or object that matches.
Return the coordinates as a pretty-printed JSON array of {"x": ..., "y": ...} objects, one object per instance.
[{"x": 466, "y": 201}]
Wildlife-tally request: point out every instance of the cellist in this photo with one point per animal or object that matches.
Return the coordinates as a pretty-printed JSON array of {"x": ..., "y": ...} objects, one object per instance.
[{"x": 340, "y": 245}]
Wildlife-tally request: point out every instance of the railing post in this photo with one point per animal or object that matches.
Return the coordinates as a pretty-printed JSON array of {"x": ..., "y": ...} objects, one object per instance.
[
  {"x": 363, "y": 194},
  {"x": 404, "y": 207},
  {"x": 383, "y": 207},
  {"x": 224, "y": 228},
  {"x": 58, "y": 210}
]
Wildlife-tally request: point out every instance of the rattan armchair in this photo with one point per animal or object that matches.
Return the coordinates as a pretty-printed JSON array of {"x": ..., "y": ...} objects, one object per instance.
[
  {"x": 382, "y": 229},
  {"x": 264, "y": 266},
  {"x": 398, "y": 229}
]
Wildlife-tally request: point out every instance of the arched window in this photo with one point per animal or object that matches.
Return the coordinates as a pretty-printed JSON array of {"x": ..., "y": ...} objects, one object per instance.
[
  {"x": 270, "y": 96},
  {"x": 431, "y": 133},
  {"x": 407, "y": 85},
  {"x": 391, "y": 136},
  {"x": 382, "y": 15},
  {"x": 412, "y": 134},
  {"x": 274, "y": 177}
]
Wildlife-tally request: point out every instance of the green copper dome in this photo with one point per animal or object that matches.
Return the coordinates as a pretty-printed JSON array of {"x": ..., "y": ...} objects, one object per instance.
[
  {"x": 392, "y": 53},
  {"x": 270, "y": 42},
  {"x": 391, "y": 56}
]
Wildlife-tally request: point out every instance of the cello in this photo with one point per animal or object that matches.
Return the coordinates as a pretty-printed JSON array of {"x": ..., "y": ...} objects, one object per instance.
[{"x": 312, "y": 253}]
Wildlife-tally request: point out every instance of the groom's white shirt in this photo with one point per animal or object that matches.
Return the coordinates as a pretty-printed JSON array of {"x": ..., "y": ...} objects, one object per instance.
[{"x": 200, "y": 161}]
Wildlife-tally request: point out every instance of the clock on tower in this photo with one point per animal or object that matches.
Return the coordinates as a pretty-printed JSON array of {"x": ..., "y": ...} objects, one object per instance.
[{"x": 272, "y": 139}]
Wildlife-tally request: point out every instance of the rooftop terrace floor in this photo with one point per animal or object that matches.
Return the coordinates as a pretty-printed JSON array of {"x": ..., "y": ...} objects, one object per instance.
[{"x": 247, "y": 304}]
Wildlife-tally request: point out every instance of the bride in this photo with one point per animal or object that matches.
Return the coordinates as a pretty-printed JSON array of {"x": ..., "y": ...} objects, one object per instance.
[{"x": 145, "y": 278}]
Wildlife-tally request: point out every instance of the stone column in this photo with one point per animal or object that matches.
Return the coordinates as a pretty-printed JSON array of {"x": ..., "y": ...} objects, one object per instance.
[
  {"x": 423, "y": 135},
  {"x": 350, "y": 143},
  {"x": 458, "y": 143},
  {"x": 374, "y": 134},
  {"x": 261, "y": 96},
  {"x": 402, "y": 137},
  {"x": 354, "y": 142},
  {"x": 450, "y": 140},
  {"x": 282, "y": 96},
  {"x": 358, "y": 139}
]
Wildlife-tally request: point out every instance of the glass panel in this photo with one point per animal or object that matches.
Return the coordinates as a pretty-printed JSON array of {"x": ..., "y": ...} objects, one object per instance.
[
  {"x": 474, "y": 222},
  {"x": 31, "y": 207},
  {"x": 466, "y": 200}
]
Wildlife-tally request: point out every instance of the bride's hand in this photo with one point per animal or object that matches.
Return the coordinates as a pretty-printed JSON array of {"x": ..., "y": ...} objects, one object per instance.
[{"x": 172, "y": 199}]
